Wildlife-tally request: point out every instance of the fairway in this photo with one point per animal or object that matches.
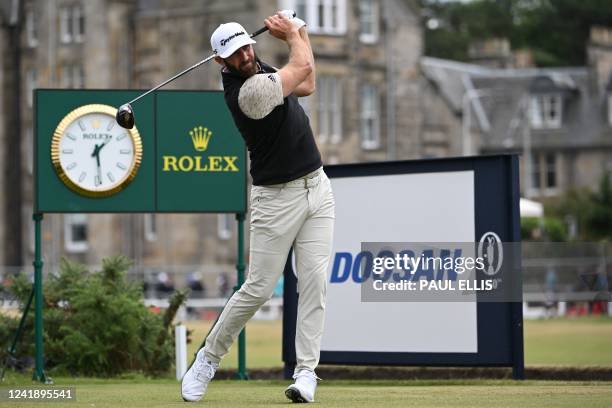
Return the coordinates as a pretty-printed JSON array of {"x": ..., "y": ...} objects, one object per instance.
[
  {"x": 473, "y": 393},
  {"x": 569, "y": 342},
  {"x": 553, "y": 342},
  {"x": 264, "y": 343},
  {"x": 580, "y": 342}
]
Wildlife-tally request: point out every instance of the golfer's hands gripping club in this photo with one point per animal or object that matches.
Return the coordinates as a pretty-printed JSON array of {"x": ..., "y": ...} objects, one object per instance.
[
  {"x": 290, "y": 14},
  {"x": 281, "y": 27}
]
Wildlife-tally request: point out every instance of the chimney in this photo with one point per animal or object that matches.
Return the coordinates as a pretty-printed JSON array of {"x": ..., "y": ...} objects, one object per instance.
[
  {"x": 523, "y": 59},
  {"x": 493, "y": 53},
  {"x": 599, "y": 53}
]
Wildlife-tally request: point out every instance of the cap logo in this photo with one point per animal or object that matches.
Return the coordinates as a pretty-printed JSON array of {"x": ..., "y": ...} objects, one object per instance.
[{"x": 231, "y": 37}]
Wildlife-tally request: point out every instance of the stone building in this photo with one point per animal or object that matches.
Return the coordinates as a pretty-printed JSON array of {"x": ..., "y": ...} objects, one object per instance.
[
  {"x": 558, "y": 119},
  {"x": 366, "y": 108}
]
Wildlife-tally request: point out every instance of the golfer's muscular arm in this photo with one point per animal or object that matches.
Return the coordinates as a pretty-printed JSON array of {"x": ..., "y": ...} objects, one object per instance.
[
  {"x": 307, "y": 87},
  {"x": 300, "y": 65},
  {"x": 261, "y": 93}
]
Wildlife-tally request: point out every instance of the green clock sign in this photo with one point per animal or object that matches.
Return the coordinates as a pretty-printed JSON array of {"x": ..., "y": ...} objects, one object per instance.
[{"x": 185, "y": 155}]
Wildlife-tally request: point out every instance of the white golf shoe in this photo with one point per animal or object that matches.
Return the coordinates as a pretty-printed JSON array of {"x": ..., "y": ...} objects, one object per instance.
[
  {"x": 196, "y": 379},
  {"x": 303, "y": 390}
]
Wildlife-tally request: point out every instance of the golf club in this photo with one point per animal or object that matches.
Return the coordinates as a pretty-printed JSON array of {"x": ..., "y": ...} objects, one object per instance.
[{"x": 125, "y": 113}]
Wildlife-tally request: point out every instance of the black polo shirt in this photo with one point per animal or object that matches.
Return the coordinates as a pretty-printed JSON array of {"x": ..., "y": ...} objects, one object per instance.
[{"x": 281, "y": 144}]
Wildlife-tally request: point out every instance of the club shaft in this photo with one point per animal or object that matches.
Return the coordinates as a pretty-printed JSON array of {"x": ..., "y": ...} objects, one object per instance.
[
  {"x": 191, "y": 68},
  {"x": 180, "y": 74}
]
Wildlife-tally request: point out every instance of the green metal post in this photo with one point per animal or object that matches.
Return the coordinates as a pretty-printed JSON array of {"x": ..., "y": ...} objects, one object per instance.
[
  {"x": 39, "y": 373},
  {"x": 240, "y": 267}
]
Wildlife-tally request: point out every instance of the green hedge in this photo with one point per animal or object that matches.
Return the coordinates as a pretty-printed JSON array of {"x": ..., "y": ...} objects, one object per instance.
[
  {"x": 545, "y": 229},
  {"x": 95, "y": 323}
]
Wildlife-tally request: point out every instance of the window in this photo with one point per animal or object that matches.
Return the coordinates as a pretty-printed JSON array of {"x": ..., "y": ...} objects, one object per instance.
[
  {"x": 304, "y": 102},
  {"x": 322, "y": 16},
  {"x": 544, "y": 173},
  {"x": 368, "y": 21},
  {"x": 65, "y": 77},
  {"x": 546, "y": 111},
  {"x": 610, "y": 109},
  {"x": 78, "y": 24},
  {"x": 150, "y": 227},
  {"x": 29, "y": 149},
  {"x": 31, "y": 229},
  {"x": 225, "y": 225},
  {"x": 78, "y": 76},
  {"x": 31, "y": 32},
  {"x": 31, "y": 84},
  {"x": 65, "y": 25},
  {"x": 75, "y": 232},
  {"x": 72, "y": 76},
  {"x": 300, "y": 9},
  {"x": 535, "y": 172},
  {"x": 369, "y": 117},
  {"x": 551, "y": 171},
  {"x": 72, "y": 24},
  {"x": 329, "y": 109}
]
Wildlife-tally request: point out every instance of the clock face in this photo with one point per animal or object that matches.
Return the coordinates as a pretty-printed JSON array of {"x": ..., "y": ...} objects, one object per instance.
[{"x": 92, "y": 154}]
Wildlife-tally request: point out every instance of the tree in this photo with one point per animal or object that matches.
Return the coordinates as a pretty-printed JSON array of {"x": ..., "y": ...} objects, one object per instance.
[
  {"x": 555, "y": 31},
  {"x": 599, "y": 218},
  {"x": 591, "y": 210}
]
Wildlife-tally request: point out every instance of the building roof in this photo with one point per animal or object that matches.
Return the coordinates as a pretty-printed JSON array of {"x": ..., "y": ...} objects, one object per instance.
[{"x": 506, "y": 93}]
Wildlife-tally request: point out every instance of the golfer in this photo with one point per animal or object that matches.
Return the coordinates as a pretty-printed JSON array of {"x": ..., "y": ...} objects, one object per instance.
[{"x": 291, "y": 198}]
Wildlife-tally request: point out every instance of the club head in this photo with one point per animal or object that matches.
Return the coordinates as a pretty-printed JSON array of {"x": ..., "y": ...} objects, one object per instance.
[{"x": 125, "y": 116}]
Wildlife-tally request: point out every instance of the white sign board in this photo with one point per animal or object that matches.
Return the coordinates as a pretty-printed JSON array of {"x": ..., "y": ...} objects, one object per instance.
[{"x": 427, "y": 207}]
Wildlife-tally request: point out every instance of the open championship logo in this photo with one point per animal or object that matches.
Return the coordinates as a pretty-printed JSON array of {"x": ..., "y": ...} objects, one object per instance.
[{"x": 491, "y": 250}]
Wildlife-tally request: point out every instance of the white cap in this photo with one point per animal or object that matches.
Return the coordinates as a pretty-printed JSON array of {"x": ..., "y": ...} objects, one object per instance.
[{"x": 227, "y": 38}]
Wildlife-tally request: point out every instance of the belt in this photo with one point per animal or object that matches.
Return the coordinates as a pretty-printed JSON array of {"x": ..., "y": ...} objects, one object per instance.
[{"x": 309, "y": 180}]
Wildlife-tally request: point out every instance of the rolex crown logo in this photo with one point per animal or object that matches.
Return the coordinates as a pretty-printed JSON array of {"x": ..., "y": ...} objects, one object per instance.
[{"x": 200, "y": 136}]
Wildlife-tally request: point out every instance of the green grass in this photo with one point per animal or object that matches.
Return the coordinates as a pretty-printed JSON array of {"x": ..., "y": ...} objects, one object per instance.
[
  {"x": 140, "y": 392},
  {"x": 569, "y": 342},
  {"x": 264, "y": 343},
  {"x": 579, "y": 342},
  {"x": 555, "y": 342}
]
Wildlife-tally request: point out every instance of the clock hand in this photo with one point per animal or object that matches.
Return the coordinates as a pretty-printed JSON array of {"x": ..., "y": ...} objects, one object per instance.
[
  {"x": 99, "y": 170},
  {"x": 98, "y": 154}
]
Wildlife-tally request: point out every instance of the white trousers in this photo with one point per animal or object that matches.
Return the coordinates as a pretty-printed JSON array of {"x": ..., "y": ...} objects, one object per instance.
[{"x": 298, "y": 213}]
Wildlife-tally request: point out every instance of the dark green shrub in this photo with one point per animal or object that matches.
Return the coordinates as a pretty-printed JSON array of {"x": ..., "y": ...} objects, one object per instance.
[
  {"x": 556, "y": 230},
  {"x": 96, "y": 324},
  {"x": 528, "y": 226}
]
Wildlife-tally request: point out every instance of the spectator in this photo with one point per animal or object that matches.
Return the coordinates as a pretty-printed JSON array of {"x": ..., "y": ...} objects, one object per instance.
[
  {"x": 194, "y": 282},
  {"x": 164, "y": 285},
  {"x": 223, "y": 285}
]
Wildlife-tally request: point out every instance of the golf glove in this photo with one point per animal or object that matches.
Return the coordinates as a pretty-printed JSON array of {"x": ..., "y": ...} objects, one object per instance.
[{"x": 298, "y": 22}]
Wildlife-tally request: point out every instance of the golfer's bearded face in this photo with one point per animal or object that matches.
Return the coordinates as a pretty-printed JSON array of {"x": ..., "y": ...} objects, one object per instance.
[{"x": 242, "y": 62}]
